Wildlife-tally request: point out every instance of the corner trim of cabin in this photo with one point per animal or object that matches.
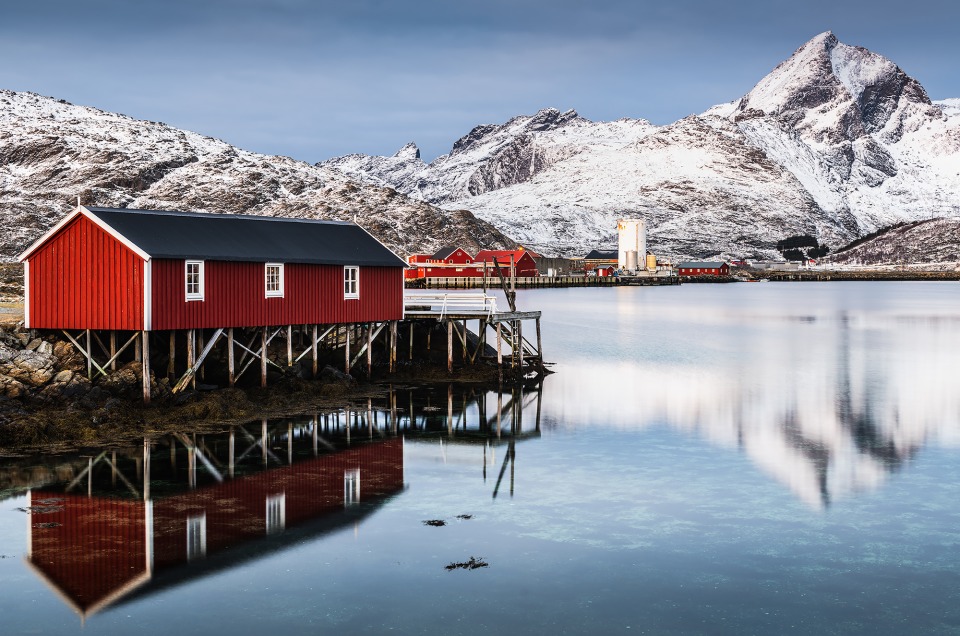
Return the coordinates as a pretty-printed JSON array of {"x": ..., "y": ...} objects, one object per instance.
[{"x": 26, "y": 294}]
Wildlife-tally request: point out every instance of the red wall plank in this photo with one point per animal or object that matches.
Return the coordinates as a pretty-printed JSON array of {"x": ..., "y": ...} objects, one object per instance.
[
  {"x": 83, "y": 278},
  {"x": 234, "y": 296}
]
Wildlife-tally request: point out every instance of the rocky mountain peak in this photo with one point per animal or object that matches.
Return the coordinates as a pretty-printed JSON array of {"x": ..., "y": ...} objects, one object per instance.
[{"x": 409, "y": 151}]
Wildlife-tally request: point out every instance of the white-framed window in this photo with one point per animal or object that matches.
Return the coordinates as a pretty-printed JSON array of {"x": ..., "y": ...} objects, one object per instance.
[
  {"x": 351, "y": 281},
  {"x": 276, "y": 513},
  {"x": 351, "y": 487},
  {"x": 273, "y": 280},
  {"x": 196, "y": 537},
  {"x": 194, "y": 280}
]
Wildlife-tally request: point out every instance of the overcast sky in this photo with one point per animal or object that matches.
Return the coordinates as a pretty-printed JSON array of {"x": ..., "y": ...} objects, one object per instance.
[{"x": 317, "y": 79}]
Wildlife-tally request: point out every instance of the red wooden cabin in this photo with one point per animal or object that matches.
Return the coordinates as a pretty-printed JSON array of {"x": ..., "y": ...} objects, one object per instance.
[
  {"x": 703, "y": 268},
  {"x": 523, "y": 261},
  {"x": 448, "y": 261},
  {"x": 144, "y": 270}
]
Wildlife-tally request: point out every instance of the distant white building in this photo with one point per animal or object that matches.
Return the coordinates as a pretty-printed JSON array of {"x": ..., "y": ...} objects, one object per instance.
[{"x": 632, "y": 254}]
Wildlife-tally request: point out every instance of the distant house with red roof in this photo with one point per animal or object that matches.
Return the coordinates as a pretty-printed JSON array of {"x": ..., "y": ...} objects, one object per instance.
[
  {"x": 447, "y": 261},
  {"x": 523, "y": 259}
]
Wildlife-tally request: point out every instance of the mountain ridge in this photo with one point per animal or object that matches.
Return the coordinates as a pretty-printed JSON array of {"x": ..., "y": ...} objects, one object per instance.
[{"x": 835, "y": 141}]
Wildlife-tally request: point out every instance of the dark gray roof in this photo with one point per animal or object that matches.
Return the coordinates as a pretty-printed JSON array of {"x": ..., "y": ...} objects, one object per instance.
[
  {"x": 444, "y": 252},
  {"x": 236, "y": 237},
  {"x": 597, "y": 255}
]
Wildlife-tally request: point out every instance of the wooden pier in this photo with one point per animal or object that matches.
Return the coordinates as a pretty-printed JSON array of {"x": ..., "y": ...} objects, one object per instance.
[{"x": 538, "y": 282}]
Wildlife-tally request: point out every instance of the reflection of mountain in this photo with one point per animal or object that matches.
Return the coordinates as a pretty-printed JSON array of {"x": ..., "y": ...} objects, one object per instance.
[
  {"x": 96, "y": 549},
  {"x": 829, "y": 405}
]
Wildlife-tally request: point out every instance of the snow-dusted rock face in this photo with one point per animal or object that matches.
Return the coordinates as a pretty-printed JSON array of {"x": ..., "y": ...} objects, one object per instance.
[
  {"x": 51, "y": 152},
  {"x": 835, "y": 142},
  {"x": 933, "y": 243}
]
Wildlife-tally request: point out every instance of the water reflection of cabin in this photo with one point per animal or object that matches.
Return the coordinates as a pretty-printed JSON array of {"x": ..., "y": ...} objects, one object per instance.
[{"x": 93, "y": 550}]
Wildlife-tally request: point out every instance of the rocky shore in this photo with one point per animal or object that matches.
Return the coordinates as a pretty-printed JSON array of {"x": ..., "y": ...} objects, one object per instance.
[{"x": 46, "y": 397}]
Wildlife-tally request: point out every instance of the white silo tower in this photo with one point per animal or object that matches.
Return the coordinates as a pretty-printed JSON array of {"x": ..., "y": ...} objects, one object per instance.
[{"x": 633, "y": 244}]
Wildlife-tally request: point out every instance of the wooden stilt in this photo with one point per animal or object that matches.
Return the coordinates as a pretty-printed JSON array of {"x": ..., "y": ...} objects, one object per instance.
[
  {"x": 429, "y": 333},
  {"x": 369, "y": 349},
  {"x": 499, "y": 352},
  {"x": 191, "y": 356},
  {"x": 449, "y": 346},
  {"x": 393, "y": 346},
  {"x": 137, "y": 350},
  {"x": 200, "y": 347},
  {"x": 464, "y": 340},
  {"x": 263, "y": 361},
  {"x": 289, "y": 345},
  {"x": 313, "y": 349},
  {"x": 113, "y": 350},
  {"x": 145, "y": 345},
  {"x": 231, "y": 364},
  {"x": 89, "y": 354},
  {"x": 172, "y": 360},
  {"x": 411, "y": 340},
  {"x": 346, "y": 349},
  {"x": 518, "y": 330}
]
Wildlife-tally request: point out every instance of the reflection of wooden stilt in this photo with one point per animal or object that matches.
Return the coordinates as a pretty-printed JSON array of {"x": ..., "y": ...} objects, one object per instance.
[
  {"x": 464, "y": 340},
  {"x": 315, "y": 433},
  {"x": 539, "y": 395},
  {"x": 450, "y": 410},
  {"x": 290, "y": 442},
  {"x": 393, "y": 346},
  {"x": 145, "y": 341},
  {"x": 146, "y": 469},
  {"x": 231, "y": 451},
  {"x": 263, "y": 441}
]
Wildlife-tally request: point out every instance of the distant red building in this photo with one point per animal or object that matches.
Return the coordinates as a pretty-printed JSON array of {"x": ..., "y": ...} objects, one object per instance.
[
  {"x": 523, "y": 259},
  {"x": 703, "y": 268},
  {"x": 448, "y": 261}
]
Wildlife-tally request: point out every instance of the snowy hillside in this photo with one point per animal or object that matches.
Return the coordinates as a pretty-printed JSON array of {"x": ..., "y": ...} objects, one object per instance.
[
  {"x": 835, "y": 142},
  {"x": 934, "y": 243},
  {"x": 51, "y": 152}
]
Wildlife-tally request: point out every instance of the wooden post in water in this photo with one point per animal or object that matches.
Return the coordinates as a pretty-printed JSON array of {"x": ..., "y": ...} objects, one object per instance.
[
  {"x": 231, "y": 363},
  {"x": 191, "y": 356},
  {"x": 113, "y": 350},
  {"x": 146, "y": 469},
  {"x": 145, "y": 339},
  {"x": 346, "y": 349},
  {"x": 393, "y": 346}
]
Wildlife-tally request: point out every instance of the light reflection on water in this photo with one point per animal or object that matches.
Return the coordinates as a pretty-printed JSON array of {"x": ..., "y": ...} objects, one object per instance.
[{"x": 768, "y": 458}]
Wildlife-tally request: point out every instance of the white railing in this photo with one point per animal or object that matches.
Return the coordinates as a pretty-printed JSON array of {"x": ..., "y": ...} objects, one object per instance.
[{"x": 443, "y": 303}]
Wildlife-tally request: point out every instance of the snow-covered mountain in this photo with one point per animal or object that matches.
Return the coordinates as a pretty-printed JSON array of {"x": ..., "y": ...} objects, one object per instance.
[
  {"x": 52, "y": 152},
  {"x": 836, "y": 142},
  {"x": 932, "y": 243}
]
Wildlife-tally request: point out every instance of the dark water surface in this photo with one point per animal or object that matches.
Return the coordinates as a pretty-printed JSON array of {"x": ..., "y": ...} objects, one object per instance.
[{"x": 745, "y": 459}]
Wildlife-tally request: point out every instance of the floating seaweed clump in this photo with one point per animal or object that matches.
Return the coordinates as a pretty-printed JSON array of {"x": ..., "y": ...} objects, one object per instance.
[
  {"x": 435, "y": 522},
  {"x": 473, "y": 564},
  {"x": 464, "y": 517}
]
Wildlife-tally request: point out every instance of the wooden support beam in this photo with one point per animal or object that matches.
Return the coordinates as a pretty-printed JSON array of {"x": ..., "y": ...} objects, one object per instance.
[
  {"x": 145, "y": 345},
  {"x": 411, "y": 340},
  {"x": 519, "y": 339},
  {"x": 192, "y": 371},
  {"x": 231, "y": 375},
  {"x": 113, "y": 350},
  {"x": 370, "y": 348},
  {"x": 263, "y": 361},
  {"x": 346, "y": 349},
  {"x": 313, "y": 349},
  {"x": 200, "y": 347},
  {"x": 191, "y": 354},
  {"x": 289, "y": 345},
  {"x": 89, "y": 354},
  {"x": 171, "y": 362},
  {"x": 449, "y": 346},
  {"x": 393, "y": 346},
  {"x": 365, "y": 348}
]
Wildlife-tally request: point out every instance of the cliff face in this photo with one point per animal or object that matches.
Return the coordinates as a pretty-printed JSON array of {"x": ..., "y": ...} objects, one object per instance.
[
  {"x": 52, "y": 152},
  {"x": 836, "y": 142}
]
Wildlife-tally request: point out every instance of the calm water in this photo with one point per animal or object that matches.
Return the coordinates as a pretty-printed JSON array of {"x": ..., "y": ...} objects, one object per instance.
[{"x": 743, "y": 459}]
